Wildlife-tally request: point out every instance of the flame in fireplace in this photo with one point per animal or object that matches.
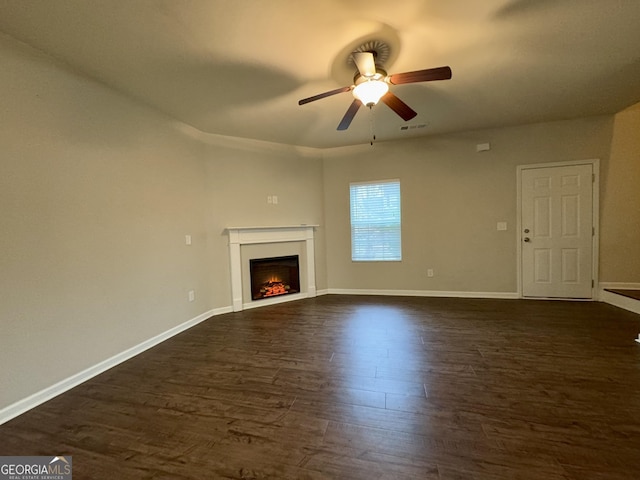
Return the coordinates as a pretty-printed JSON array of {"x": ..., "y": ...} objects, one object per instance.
[{"x": 274, "y": 287}]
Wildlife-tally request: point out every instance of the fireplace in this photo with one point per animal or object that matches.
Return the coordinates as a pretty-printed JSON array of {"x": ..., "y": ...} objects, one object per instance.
[
  {"x": 248, "y": 238},
  {"x": 271, "y": 277}
]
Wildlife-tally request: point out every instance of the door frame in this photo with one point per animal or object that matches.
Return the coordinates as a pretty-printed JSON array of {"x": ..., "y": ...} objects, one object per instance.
[{"x": 595, "y": 217}]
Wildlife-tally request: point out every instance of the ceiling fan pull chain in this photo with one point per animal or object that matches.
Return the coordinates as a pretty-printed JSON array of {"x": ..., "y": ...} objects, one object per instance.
[{"x": 373, "y": 135}]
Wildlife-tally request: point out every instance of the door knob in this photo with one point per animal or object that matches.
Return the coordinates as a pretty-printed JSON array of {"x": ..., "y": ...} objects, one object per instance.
[{"x": 527, "y": 239}]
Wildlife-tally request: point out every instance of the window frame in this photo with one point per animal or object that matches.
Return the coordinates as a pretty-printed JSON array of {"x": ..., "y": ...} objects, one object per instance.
[{"x": 395, "y": 247}]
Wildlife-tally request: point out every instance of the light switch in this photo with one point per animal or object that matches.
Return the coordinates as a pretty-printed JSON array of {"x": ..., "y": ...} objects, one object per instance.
[
  {"x": 187, "y": 239},
  {"x": 275, "y": 199},
  {"x": 502, "y": 225}
]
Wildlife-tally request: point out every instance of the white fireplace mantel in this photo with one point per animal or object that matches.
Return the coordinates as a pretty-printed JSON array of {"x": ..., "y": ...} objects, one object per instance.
[{"x": 239, "y": 236}]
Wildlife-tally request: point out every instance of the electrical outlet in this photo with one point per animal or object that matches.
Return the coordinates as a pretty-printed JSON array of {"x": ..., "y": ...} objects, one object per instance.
[
  {"x": 430, "y": 272},
  {"x": 269, "y": 199},
  {"x": 192, "y": 295}
]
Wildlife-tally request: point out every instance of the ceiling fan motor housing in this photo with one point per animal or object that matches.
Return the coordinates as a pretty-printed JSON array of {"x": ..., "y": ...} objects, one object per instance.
[
  {"x": 379, "y": 75},
  {"x": 380, "y": 49}
]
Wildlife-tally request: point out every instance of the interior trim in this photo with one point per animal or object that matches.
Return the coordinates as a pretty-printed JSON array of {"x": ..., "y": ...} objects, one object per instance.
[{"x": 424, "y": 293}]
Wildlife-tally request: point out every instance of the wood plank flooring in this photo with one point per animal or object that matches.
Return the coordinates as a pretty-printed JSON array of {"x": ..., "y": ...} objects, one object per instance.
[{"x": 345, "y": 387}]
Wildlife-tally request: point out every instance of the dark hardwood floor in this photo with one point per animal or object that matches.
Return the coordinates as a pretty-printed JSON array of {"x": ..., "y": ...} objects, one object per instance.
[{"x": 350, "y": 387}]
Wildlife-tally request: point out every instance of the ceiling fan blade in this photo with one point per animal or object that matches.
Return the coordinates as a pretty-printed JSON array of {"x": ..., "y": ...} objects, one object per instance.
[
  {"x": 365, "y": 63},
  {"x": 428, "y": 75},
  {"x": 351, "y": 112},
  {"x": 324, "y": 95},
  {"x": 398, "y": 106}
]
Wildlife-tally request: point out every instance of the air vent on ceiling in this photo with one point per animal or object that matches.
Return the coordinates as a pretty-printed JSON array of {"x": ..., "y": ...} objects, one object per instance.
[{"x": 413, "y": 127}]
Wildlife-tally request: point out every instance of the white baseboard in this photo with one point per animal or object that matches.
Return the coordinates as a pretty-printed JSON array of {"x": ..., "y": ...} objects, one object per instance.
[
  {"x": 620, "y": 285},
  {"x": 617, "y": 300},
  {"x": 32, "y": 401},
  {"x": 424, "y": 293}
]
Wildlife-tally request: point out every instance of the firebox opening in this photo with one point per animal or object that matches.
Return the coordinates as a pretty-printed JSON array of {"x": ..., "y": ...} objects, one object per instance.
[{"x": 274, "y": 276}]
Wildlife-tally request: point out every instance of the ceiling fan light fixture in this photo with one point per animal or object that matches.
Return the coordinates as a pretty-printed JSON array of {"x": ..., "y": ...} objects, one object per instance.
[{"x": 370, "y": 92}]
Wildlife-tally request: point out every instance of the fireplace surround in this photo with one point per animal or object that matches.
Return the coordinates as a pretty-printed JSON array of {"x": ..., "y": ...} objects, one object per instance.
[{"x": 239, "y": 237}]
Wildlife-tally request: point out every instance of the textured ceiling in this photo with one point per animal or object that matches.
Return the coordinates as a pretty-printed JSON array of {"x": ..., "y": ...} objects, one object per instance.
[{"x": 238, "y": 68}]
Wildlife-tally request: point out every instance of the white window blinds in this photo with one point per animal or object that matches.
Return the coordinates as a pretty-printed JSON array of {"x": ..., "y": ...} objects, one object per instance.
[{"x": 376, "y": 221}]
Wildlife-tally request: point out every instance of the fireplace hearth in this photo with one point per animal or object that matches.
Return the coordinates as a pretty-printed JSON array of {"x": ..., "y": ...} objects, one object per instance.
[{"x": 271, "y": 277}]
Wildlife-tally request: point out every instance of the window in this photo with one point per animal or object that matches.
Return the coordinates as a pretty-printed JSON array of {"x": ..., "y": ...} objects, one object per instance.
[{"x": 375, "y": 221}]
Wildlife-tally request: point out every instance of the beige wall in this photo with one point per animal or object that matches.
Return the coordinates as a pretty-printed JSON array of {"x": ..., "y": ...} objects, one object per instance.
[
  {"x": 97, "y": 193},
  {"x": 96, "y": 196},
  {"x": 240, "y": 176},
  {"x": 620, "y": 223},
  {"x": 452, "y": 198}
]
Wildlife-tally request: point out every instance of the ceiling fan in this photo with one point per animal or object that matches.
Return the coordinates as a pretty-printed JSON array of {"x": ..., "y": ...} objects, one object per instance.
[{"x": 371, "y": 84}]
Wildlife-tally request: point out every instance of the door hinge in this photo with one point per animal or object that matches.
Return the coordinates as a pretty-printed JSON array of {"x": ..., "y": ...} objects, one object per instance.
[
  {"x": 593, "y": 231},
  {"x": 593, "y": 283},
  {"x": 593, "y": 178}
]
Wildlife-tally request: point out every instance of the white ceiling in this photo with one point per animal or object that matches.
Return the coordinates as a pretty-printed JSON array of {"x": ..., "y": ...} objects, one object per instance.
[{"x": 239, "y": 67}]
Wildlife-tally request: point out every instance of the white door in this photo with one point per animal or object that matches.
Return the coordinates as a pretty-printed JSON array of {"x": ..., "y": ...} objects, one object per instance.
[{"x": 557, "y": 231}]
